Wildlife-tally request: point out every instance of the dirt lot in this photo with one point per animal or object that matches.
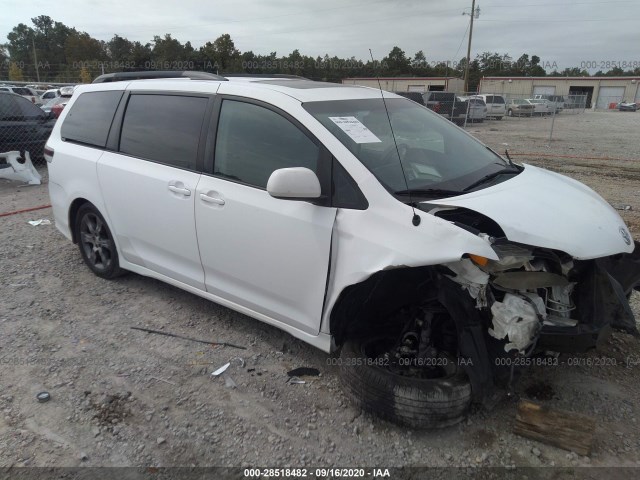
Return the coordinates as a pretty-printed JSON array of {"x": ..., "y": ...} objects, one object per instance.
[{"x": 123, "y": 397}]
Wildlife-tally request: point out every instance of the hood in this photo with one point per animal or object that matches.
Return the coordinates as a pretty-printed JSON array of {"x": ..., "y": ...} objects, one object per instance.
[{"x": 545, "y": 209}]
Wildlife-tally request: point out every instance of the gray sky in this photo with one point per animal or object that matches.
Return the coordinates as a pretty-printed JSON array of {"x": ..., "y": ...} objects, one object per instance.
[{"x": 562, "y": 32}]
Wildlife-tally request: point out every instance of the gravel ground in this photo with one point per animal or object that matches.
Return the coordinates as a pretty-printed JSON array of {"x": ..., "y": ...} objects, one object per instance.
[{"x": 121, "y": 397}]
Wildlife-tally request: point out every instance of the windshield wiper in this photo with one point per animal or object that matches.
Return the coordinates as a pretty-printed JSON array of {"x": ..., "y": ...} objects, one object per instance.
[
  {"x": 505, "y": 171},
  {"x": 429, "y": 192}
]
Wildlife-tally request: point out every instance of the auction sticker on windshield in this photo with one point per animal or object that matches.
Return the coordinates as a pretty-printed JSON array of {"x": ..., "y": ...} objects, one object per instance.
[{"x": 358, "y": 132}]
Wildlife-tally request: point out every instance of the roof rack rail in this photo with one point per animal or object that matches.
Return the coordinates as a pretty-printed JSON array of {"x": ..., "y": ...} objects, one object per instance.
[
  {"x": 149, "y": 74},
  {"x": 264, "y": 75}
]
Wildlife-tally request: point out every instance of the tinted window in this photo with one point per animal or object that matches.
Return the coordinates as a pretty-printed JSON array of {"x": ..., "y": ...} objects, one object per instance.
[
  {"x": 28, "y": 109},
  {"x": 498, "y": 99},
  {"x": 90, "y": 118},
  {"x": 22, "y": 91},
  {"x": 254, "y": 141},
  {"x": 15, "y": 108},
  {"x": 163, "y": 128}
]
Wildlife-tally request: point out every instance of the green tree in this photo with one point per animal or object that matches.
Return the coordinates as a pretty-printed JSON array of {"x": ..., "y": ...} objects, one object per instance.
[{"x": 397, "y": 62}]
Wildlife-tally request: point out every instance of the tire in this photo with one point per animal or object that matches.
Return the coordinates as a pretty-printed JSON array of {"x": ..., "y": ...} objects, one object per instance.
[
  {"x": 96, "y": 243},
  {"x": 414, "y": 402},
  {"x": 509, "y": 113}
]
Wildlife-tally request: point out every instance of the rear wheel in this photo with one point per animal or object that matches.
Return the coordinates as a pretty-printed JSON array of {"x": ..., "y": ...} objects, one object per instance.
[
  {"x": 435, "y": 394},
  {"x": 510, "y": 113},
  {"x": 96, "y": 243}
]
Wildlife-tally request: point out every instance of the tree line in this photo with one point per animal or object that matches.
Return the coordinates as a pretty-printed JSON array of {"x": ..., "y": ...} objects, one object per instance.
[{"x": 50, "y": 51}]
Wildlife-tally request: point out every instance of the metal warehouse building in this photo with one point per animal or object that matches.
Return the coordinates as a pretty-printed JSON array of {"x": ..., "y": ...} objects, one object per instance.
[
  {"x": 601, "y": 92},
  {"x": 410, "y": 84}
]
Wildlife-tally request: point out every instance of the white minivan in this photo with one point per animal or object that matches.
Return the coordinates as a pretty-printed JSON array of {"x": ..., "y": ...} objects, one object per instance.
[
  {"x": 496, "y": 105},
  {"x": 351, "y": 218}
]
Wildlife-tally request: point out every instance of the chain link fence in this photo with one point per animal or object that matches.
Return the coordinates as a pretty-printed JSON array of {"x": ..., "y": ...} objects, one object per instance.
[{"x": 24, "y": 127}]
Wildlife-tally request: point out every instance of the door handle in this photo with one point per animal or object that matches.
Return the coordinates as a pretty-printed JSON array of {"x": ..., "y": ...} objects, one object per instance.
[
  {"x": 208, "y": 199},
  {"x": 182, "y": 191}
]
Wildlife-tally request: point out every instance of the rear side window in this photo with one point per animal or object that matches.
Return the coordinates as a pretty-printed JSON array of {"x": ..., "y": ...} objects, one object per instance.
[
  {"x": 22, "y": 91},
  {"x": 497, "y": 99},
  {"x": 90, "y": 118},
  {"x": 253, "y": 141},
  {"x": 163, "y": 128}
]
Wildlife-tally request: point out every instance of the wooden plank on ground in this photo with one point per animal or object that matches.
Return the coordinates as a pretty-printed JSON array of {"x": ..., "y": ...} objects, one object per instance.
[{"x": 560, "y": 428}]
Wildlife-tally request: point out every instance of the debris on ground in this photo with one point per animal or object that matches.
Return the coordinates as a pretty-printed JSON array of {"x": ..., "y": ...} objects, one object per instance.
[
  {"x": 304, "y": 372},
  {"x": 220, "y": 370},
  {"x": 14, "y": 169},
  {"x": 560, "y": 428},
  {"x": 42, "y": 221},
  {"x": 167, "y": 334}
]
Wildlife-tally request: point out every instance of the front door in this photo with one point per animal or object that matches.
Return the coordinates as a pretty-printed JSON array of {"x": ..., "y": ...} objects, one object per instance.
[{"x": 265, "y": 254}]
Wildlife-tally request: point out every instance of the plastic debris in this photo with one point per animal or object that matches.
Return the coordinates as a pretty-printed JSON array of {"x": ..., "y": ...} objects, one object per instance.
[
  {"x": 228, "y": 381},
  {"x": 14, "y": 170},
  {"x": 296, "y": 380},
  {"x": 304, "y": 372},
  {"x": 238, "y": 360},
  {"x": 221, "y": 370},
  {"x": 42, "y": 221},
  {"x": 516, "y": 319},
  {"x": 622, "y": 207}
]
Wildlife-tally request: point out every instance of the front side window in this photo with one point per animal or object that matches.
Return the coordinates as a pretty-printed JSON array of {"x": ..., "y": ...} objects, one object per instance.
[
  {"x": 163, "y": 128},
  {"x": 253, "y": 141},
  {"x": 435, "y": 155}
]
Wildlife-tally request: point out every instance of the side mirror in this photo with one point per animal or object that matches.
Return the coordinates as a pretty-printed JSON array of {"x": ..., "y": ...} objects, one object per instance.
[{"x": 294, "y": 183}]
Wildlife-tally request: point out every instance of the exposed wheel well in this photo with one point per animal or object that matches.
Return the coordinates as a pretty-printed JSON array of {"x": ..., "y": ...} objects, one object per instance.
[{"x": 372, "y": 303}]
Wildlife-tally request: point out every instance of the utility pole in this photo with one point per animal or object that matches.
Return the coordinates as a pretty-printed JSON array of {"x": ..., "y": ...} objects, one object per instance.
[
  {"x": 35, "y": 59},
  {"x": 475, "y": 12}
]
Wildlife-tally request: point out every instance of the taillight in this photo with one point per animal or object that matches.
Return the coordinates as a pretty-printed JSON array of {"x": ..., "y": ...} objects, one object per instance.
[
  {"x": 57, "y": 110},
  {"x": 437, "y": 107},
  {"x": 48, "y": 153}
]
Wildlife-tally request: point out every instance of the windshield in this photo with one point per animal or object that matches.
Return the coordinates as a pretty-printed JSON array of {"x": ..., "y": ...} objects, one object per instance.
[{"x": 435, "y": 154}]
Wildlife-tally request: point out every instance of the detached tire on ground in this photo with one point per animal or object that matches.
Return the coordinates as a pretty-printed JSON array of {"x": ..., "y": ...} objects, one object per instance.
[{"x": 415, "y": 402}]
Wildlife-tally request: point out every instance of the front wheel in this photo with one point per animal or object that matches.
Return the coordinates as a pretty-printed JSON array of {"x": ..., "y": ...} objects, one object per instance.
[
  {"x": 96, "y": 243},
  {"x": 429, "y": 396}
]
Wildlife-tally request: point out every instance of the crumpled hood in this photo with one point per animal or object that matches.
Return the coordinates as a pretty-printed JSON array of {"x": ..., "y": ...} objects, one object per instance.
[{"x": 545, "y": 209}]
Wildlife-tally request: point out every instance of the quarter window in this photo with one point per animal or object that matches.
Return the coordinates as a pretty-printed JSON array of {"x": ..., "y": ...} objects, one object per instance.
[
  {"x": 163, "y": 128},
  {"x": 89, "y": 119},
  {"x": 253, "y": 141}
]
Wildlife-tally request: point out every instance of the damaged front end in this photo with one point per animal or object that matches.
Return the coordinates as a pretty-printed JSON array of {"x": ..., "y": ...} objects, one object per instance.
[
  {"x": 489, "y": 313},
  {"x": 534, "y": 300}
]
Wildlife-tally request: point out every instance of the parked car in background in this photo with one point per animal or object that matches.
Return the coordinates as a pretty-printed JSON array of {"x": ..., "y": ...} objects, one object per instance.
[
  {"x": 415, "y": 96},
  {"x": 518, "y": 107},
  {"x": 627, "y": 106},
  {"x": 477, "y": 110},
  {"x": 56, "y": 105},
  {"x": 557, "y": 101},
  {"x": 496, "y": 105},
  {"x": 446, "y": 104},
  {"x": 541, "y": 106},
  {"x": 25, "y": 92},
  {"x": 49, "y": 94},
  {"x": 23, "y": 126}
]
